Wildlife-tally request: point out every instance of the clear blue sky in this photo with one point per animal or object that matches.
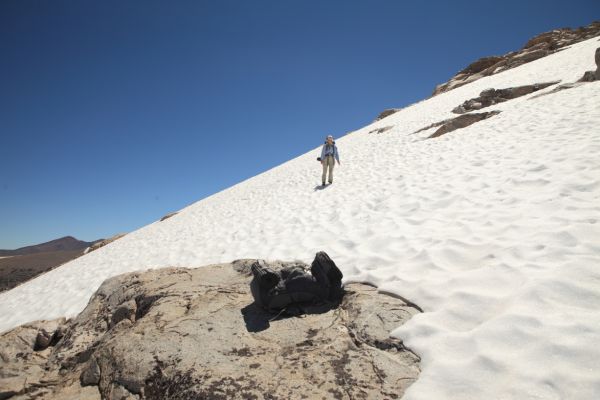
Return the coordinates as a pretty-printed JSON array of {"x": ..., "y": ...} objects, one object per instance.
[{"x": 114, "y": 113}]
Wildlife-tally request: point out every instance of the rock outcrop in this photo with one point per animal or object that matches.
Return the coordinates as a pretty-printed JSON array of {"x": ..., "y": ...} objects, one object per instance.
[
  {"x": 492, "y": 96},
  {"x": 538, "y": 47},
  {"x": 591, "y": 76},
  {"x": 180, "y": 333},
  {"x": 22, "y": 359},
  {"x": 452, "y": 124},
  {"x": 103, "y": 242},
  {"x": 169, "y": 216},
  {"x": 386, "y": 113}
]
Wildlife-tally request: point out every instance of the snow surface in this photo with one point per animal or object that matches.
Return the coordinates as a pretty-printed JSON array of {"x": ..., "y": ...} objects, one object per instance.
[{"x": 494, "y": 230}]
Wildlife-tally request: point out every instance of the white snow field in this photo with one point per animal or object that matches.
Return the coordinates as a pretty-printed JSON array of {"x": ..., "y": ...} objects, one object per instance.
[{"x": 494, "y": 230}]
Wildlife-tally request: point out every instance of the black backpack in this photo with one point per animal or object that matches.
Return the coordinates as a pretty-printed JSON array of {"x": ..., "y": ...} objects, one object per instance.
[{"x": 292, "y": 288}]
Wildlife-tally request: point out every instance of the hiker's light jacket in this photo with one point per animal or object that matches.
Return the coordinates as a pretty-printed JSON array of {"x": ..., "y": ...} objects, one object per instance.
[{"x": 328, "y": 150}]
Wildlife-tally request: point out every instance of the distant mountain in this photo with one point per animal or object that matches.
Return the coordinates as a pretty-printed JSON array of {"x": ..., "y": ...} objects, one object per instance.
[
  {"x": 20, "y": 265},
  {"x": 67, "y": 243}
]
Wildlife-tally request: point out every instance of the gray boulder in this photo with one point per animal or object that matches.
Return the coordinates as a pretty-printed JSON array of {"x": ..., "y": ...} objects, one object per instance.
[{"x": 179, "y": 333}]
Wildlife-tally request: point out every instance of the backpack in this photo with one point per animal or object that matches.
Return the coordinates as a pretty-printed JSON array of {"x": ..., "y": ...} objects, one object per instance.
[
  {"x": 332, "y": 146},
  {"x": 292, "y": 288}
]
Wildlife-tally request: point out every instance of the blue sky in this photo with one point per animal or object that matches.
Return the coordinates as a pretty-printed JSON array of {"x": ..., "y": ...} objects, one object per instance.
[{"x": 115, "y": 113}]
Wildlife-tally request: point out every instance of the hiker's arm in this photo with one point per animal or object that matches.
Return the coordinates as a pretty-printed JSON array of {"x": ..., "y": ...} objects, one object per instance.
[{"x": 323, "y": 154}]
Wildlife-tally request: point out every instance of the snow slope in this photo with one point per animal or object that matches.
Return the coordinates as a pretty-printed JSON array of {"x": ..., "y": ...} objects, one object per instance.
[{"x": 494, "y": 230}]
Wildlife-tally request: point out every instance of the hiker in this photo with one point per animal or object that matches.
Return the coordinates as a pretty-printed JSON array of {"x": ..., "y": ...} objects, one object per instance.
[{"x": 329, "y": 154}]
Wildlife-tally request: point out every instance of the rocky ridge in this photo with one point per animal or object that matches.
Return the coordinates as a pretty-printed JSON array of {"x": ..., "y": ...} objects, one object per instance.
[{"x": 539, "y": 46}]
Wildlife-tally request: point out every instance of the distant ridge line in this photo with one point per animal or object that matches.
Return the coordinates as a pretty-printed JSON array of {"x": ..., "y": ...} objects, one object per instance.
[{"x": 66, "y": 243}]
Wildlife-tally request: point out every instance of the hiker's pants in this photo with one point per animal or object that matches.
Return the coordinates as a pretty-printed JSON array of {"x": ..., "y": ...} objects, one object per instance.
[{"x": 329, "y": 161}]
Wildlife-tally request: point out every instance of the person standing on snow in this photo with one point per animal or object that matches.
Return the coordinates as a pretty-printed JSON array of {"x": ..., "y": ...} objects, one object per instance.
[{"x": 329, "y": 154}]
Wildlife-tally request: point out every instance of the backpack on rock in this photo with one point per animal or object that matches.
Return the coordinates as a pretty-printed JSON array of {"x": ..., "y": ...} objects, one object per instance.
[{"x": 292, "y": 288}]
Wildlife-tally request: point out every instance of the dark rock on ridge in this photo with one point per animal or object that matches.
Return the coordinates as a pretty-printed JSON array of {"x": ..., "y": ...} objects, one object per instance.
[
  {"x": 490, "y": 97},
  {"x": 462, "y": 122},
  {"x": 168, "y": 216},
  {"x": 180, "y": 333},
  {"x": 538, "y": 47},
  {"x": 386, "y": 113},
  {"x": 452, "y": 124}
]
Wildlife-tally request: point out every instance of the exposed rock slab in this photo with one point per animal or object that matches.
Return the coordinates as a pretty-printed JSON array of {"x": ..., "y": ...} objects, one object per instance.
[
  {"x": 492, "y": 96},
  {"x": 452, "y": 124},
  {"x": 195, "y": 334},
  {"x": 538, "y": 47}
]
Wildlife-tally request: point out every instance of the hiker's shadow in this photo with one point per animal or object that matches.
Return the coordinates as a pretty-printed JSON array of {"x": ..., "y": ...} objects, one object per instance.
[
  {"x": 321, "y": 187},
  {"x": 258, "y": 320}
]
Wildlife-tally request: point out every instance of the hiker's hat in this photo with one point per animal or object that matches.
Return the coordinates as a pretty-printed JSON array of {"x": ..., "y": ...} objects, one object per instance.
[{"x": 329, "y": 136}]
